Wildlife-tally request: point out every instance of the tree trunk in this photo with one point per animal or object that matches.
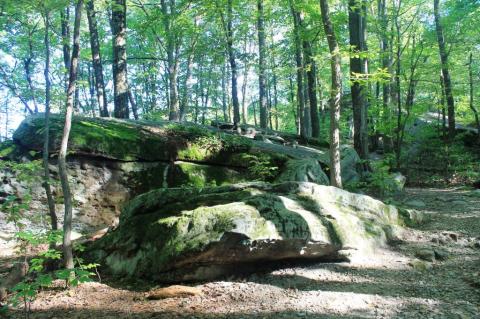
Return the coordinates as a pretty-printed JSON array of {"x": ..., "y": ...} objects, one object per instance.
[
  {"x": 336, "y": 94},
  {"x": 133, "y": 103},
  {"x": 65, "y": 24},
  {"x": 292, "y": 102},
  {"x": 358, "y": 71},
  {"x": 299, "y": 62},
  {"x": 233, "y": 63},
  {"x": 384, "y": 54},
  {"x": 261, "y": 67},
  {"x": 398, "y": 84},
  {"x": 97, "y": 60},
  {"x": 119, "y": 67},
  {"x": 184, "y": 109},
  {"x": 244, "y": 85},
  {"x": 444, "y": 113},
  {"x": 472, "y": 106},
  {"x": 224, "y": 93},
  {"x": 172, "y": 61},
  {"x": 28, "y": 73},
  {"x": 48, "y": 85},
  {"x": 62, "y": 163},
  {"x": 445, "y": 71},
  {"x": 311, "y": 70}
]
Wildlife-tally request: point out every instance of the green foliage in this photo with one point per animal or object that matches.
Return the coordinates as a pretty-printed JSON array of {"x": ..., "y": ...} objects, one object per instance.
[{"x": 260, "y": 167}]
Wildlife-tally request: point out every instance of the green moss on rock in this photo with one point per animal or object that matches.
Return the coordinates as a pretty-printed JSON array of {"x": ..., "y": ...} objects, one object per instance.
[{"x": 169, "y": 234}]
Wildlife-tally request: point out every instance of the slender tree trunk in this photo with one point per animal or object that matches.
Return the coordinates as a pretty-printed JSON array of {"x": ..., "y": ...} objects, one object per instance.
[
  {"x": 91, "y": 90},
  {"x": 224, "y": 94},
  {"x": 445, "y": 71},
  {"x": 358, "y": 71},
  {"x": 62, "y": 163},
  {"x": 444, "y": 111},
  {"x": 97, "y": 59},
  {"x": 244, "y": 86},
  {"x": 28, "y": 72},
  {"x": 172, "y": 61},
  {"x": 398, "y": 83},
  {"x": 120, "y": 85},
  {"x": 299, "y": 62},
  {"x": 233, "y": 63},
  {"x": 133, "y": 103},
  {"x": 261, "y": 67},
  {"x": 336, "y": 94},
  {"x": 311, "y": 70},
  {"x": 472, "y": 106},
  {"x": 292, "y": 102},
  {"x": 384, "y": 54},
  {"x": 48, "y": 85},
  {"x": 184, "y": 109},
  {"x": 65, "y": 24}
]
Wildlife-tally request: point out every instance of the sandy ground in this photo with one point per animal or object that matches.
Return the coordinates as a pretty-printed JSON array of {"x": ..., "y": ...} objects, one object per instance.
[{"x": 394, "y": 284}]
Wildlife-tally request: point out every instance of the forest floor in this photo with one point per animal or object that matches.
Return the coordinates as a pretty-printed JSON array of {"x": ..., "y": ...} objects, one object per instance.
[{"x": 393, "y": 284}]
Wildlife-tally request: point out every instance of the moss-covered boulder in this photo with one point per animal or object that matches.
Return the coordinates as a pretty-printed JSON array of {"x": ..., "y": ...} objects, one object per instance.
[
  {"x": 184, "y": 234},
  {"x": 303, "y": 170},
  {"x": 160, "y": 141},
  {"x": 134, "y": 140}
]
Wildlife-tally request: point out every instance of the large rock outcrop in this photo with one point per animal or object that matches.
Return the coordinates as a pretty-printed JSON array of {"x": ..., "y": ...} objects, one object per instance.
[
  {"x": 183, "y": 234},
  {"x": 111, "y": 161}
]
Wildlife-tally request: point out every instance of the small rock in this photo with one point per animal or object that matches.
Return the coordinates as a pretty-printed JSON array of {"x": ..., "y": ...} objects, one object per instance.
[
  {"x": 452, "y": 236},
  {"x": 441, "y": 254},
  {"x": 420, "y": 265},
  {"x": 477, "y": 244},
  {"x": 416, "y": 203},
  {"x": 425, "y": 254}
]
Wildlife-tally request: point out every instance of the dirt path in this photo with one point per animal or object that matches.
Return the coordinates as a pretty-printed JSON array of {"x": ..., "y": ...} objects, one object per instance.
[{"x": 394, "y": 284}]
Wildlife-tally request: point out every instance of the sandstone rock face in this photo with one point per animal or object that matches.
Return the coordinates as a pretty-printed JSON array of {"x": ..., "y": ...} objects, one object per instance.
[
  {"x": 111, "y": 161},
  {"x": 180, "y": 234}
]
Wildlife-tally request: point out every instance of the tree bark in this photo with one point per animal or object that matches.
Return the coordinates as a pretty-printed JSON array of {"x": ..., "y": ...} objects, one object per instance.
[
  {"x": 133, "y": 103},
  {"x": 65, "y": 24},
  {"x": 384, "y": 54},
  {"x": 336, "y": 94},
  {"x": 299, "y": 63},
  {"x": 261, "y": 66},
  {"x": 311, "y": 70},
  {"x": 172, "y": 60},
  {"x": 358, "y": 71},
  {"x": 97, "y": 60},
  {"x": 62, "y": 163},
  {"x": 233, "y": 63},
  {"x": 224, "y": 93},
  {"x": 445, "y": 71},
  {"x": 28, "y": 73},
  {"x": 48, "y": 84},
  {"x": 119, "y": 66},
  {"x": 472, "y": 106},
  {"x": 184, "y": 109}
]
